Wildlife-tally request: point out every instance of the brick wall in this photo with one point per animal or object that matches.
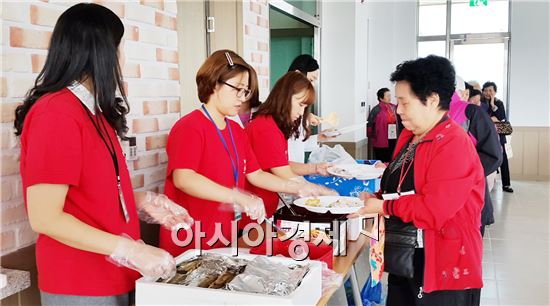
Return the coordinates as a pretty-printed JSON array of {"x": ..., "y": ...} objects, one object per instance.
[
  {"x": 256, "y": 40},
  {"x": 151, "y": 77}
]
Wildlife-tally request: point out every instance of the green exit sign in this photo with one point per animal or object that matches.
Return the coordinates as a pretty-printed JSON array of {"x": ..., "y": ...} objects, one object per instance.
[{"x": 478, "y": 2}]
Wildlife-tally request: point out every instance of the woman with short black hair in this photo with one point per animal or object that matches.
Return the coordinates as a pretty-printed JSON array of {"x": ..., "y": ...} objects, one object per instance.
[{"x": 433, "y": 193}]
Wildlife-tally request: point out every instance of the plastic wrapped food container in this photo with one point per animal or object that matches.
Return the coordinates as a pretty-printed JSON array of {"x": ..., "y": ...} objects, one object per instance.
[{"x": 156, "y": 293}]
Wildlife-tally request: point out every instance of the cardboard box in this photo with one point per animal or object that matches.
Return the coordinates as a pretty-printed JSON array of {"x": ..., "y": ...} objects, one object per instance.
[{"x": 153, "y": 293}]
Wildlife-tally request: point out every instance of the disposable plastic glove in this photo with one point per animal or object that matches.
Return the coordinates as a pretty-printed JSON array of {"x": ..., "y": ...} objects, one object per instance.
[
  {"x": 249, "y": 204},
  {"x": 151, "y": 262},
  {"x": 321, "y": 168},
  {"x": 159, "y": 209},
  {"x": 302, "y": 188}
]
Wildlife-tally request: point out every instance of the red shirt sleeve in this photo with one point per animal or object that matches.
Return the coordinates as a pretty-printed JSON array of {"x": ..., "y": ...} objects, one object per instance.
[
  {"x": 268, "y": 143},
  {"x": 184, "y": 148},
  {"x": 448, "y": 187},
  {"x": 53, "y": 150},
  {"x": 251, "y": 161}
]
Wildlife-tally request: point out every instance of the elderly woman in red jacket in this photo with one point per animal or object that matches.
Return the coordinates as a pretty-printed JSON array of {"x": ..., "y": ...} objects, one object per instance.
[{"x": 432, "y": 192}]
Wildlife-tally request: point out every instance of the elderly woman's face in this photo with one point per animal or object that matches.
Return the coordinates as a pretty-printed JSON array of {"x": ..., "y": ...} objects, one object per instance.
[{"x": 414, "y": 114}]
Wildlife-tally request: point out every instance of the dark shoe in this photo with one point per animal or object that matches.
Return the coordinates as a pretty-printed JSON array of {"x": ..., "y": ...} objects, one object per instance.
[{"x": 507, "y": 189}]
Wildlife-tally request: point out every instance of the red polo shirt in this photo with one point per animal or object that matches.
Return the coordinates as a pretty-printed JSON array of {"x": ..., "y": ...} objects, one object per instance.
[
  {"x": 59, "y": 145},
  {"x": 271, "y": 150},
  {"x": 194, "y": 144}
]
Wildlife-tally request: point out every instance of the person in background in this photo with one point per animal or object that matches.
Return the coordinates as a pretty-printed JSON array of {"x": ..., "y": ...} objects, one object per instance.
[
  {"x": 250, "y": 106},
  {"x": 498, "y": 114},
  {"x": 382, "y": 129},
  {"x": 484, "y": 136},
  {"x": 78, "y": 192},
  {"x": 210, "y": 158},
  {"x": 299, "y": 144},
  {"x": 475, "y": 97},
  {"x": 307, "y": 65},
  {"x": 278, "y": 119},
  {"x": 475, "y": 85},
  {"x": 433, "y": 193}
]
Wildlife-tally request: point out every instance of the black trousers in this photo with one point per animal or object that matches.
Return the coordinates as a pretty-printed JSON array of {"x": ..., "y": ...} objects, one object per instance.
[
  {"x": 504, "y": 169},
  {"x": 385, "y": 154},
  {"x": 404, "y": 291}
]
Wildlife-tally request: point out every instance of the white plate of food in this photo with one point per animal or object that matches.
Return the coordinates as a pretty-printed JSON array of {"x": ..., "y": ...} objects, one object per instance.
[
  {"x": 331, "y": 133},
  {"x": 358, "y": 171},
  {"x": 334, "y": 204}
]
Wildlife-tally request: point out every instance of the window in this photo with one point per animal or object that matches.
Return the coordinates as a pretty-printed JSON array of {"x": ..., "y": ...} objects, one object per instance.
[
  {"x": 432, "y": 18},
  {"x": 426, "y": 48},
  {"x": 474, "y": 38},
  {"x": 479, "y": 19}
]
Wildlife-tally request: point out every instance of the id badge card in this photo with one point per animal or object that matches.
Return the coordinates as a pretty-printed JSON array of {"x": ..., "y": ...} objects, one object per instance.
[{"x": 392, "y": 131}]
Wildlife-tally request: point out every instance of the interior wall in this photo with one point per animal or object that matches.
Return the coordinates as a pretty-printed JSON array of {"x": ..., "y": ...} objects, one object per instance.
[{"x": 529, "y": 64}]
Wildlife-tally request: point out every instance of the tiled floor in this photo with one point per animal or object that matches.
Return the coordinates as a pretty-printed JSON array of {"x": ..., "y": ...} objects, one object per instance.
[{"x": 516, "y": 248}]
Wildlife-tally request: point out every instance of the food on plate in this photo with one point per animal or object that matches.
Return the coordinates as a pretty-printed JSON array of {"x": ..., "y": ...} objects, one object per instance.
[
  {"x": 340, "y": 171},
  {"x": 319, "y": 234},
  {"x": 344, "y": 203},
  {"x": 313, "y": 202}
]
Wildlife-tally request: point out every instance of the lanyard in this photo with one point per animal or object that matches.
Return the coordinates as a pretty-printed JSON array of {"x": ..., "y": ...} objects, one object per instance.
[
  {"x": 391, "y": 113},
  {"x": 401, "y": 174},
  {"x": 111, "y": 148},
  {"x": 234, "y": 164}
]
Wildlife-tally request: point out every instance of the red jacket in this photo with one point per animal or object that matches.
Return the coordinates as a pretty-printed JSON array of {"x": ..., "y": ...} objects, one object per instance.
[{"x": 450, "y": 187}]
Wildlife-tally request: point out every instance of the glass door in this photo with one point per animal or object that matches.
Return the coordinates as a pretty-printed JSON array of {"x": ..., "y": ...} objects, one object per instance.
[{"x": 483, "y": 61}]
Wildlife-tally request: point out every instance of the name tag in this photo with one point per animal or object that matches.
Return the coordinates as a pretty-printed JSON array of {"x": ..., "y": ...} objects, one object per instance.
[
  {"x": 395, "y": 196},
  {"x": 392, "y": 131}
]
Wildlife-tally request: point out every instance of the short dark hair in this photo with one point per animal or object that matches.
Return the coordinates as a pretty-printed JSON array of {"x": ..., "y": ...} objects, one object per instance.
[
  {"x": 489, "y": 84},
  {"x": 474, "y": 92},
  {"x": 217, "y": 69},
  {"x": 304, "y": 63},
  {"x": 468, "y": 86},
  {"x": 380, "y": 93},
  {"x": 428, "y": 75}
]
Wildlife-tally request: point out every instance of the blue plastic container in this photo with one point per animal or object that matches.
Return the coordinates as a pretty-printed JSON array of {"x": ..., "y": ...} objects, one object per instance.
[{"x": 347, "y": 187}]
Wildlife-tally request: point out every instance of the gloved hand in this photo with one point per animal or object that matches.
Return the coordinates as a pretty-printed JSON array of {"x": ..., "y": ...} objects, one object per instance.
[
  {"x": 151, "y": 262},
  {"x": 249, "y": 204},
  {"x": 302, "y": 188},
  {"x": 159, "y": 209},
  {"x": 321, "y": 168}
]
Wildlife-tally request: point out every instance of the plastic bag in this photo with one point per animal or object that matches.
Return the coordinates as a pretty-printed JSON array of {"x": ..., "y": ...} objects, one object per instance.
[
  {"x": 335, "y": 155},
  {"x": 371, "y": 293},
  {"x": 331, "y": 279}
]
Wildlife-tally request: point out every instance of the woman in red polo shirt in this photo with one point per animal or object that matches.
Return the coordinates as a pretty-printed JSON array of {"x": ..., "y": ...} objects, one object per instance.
[
  {"x": 78, "y": 192},
  {"x": 209, "y": 158},
  {"x": 276, "y": 120}
]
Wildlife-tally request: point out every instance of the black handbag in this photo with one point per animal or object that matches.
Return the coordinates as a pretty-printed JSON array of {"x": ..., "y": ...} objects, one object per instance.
[
  {"x": 504, "y": 128},
  {"x": 399, "y": 247}
]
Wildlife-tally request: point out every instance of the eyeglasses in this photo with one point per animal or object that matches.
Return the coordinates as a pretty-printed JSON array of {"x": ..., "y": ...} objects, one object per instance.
[{"x": 241, "y": 92}]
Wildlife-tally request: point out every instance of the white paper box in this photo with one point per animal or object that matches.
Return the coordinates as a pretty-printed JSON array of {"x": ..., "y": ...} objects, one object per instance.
[
  {"x": 153, "y": 293},
  {"x": 355, "y": 226}
]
